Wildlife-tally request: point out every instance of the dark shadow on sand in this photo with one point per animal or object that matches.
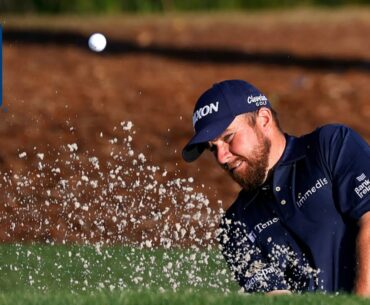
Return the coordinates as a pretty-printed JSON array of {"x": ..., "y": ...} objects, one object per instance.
[{"x": 206, "y": 55}]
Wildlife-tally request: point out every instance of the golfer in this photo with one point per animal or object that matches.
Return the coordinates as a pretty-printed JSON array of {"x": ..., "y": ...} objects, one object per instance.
[{"x": 302, "y": 219}]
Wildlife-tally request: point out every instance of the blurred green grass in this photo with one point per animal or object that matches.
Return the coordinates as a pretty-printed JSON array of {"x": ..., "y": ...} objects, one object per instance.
[
  {"x": 184, "y": 298},
  {"x": 72, "y": 274},
  {"x": 89, "y": 268},
  {"x": 145, "y": 6}
]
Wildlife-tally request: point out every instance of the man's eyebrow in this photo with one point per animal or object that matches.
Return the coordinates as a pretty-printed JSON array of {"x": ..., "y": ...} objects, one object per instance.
[
  {"x": 226, "y": 131},
  {"x": 223, "y": 134}
]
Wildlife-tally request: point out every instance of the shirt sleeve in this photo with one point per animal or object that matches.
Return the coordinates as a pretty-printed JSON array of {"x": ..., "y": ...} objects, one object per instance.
[
  {"x": 347, "y": 156},
  {"x": 245, "y": 259}
]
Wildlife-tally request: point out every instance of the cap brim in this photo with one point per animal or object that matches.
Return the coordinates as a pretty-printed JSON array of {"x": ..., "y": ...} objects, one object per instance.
[
  {"x": 198, "y": 143},
  {"x": 191, "y": 152}
]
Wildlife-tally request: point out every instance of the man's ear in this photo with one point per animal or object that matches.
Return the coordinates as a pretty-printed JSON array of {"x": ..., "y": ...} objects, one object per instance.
[{"x": 264, "y": 118}]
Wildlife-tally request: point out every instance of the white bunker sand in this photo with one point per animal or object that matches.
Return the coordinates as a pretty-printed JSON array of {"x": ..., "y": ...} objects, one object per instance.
[{"x": 71, "y": 195}]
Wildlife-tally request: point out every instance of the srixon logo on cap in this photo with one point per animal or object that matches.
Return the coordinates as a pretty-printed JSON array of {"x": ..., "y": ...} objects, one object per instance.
[{"x": 204, "y": 111}]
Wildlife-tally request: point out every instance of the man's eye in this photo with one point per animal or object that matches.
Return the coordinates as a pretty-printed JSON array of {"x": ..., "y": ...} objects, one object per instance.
[{"x": 228, "y": 138}]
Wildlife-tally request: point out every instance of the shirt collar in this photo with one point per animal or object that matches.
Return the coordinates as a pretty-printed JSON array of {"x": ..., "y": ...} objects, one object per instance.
[{"x": 295, "y": 149}]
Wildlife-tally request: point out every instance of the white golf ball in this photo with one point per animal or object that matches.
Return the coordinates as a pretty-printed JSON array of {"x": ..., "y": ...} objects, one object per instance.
[{"x": 97, "y": 42}]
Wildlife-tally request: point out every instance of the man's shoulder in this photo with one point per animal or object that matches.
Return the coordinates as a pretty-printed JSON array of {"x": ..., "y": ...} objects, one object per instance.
[
  {"x": 327, "y": 136},
  {"x": 328, "y": 131},
  {"x": 232, "y": 210},
  {"x": 233, "y": 222},
  {"x": 333, "y": 130},
  {"x": 242, "y": 201}
]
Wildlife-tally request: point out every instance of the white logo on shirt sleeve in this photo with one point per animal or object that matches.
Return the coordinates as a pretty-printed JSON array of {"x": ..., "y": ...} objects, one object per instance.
[
  {"x": 364, "y": 188},
  {"x": 361, "y": 178}
]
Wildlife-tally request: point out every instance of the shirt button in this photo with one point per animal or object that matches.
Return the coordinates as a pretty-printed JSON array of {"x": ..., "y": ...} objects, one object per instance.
[
  {"x": 277, "y": 188},
  {"x": 283, "y": 202}
]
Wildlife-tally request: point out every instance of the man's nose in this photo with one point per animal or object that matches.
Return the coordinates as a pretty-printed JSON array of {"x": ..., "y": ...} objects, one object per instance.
[{"x": 223, "y": 153}]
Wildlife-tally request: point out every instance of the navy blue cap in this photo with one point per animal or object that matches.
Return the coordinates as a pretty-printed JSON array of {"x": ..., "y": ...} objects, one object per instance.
[{"x": 217, "y": 108}]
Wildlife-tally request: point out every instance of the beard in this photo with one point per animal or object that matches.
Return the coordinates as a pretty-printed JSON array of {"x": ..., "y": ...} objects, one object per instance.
[{"x": 255, "y": 172}]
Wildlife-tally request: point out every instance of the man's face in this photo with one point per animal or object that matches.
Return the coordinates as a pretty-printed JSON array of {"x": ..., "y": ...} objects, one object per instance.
[{"x": 243, "y": 151}]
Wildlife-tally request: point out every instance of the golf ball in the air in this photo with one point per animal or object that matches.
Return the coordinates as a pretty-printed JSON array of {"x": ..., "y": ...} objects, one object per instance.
[{"x": 97, "y": 42}]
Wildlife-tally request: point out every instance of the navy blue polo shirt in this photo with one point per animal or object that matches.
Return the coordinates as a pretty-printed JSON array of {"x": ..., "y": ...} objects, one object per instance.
[{"x": 298, "y": 230}]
